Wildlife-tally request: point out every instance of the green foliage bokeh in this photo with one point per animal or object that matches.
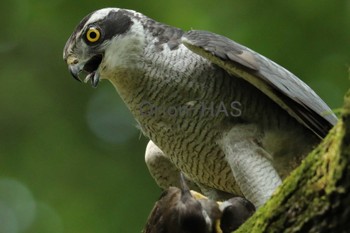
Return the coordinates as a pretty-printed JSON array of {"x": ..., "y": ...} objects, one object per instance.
[{"x": 71, "y": 158}]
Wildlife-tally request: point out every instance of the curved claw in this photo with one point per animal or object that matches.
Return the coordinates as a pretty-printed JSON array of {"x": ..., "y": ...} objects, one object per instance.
[{"x": 183, "y": 183}]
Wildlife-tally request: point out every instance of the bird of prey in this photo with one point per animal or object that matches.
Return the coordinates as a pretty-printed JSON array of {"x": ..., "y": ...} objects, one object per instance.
[{"x": 233, "y": 121}]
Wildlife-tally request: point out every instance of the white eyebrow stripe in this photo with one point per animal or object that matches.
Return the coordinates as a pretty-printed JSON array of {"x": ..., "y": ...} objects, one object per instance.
[{"x": 99, "y": 15}]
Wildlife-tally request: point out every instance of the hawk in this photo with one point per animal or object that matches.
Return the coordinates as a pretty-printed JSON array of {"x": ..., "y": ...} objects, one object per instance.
[{"x": 231, "y": 120}]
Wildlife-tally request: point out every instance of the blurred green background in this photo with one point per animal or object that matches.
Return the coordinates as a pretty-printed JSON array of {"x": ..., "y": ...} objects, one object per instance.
[{"x": 71, "y": 158}]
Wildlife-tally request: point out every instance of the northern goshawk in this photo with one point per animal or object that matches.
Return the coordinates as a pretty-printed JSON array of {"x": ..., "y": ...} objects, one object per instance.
[{"x": 233, "y": 121}]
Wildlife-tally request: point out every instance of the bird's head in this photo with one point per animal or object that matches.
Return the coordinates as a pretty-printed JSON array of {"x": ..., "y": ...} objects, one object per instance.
[{"x": 103, "y": 40}]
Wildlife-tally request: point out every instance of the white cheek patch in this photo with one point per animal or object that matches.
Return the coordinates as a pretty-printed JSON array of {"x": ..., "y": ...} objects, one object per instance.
[{"x": 124, "y": 51}]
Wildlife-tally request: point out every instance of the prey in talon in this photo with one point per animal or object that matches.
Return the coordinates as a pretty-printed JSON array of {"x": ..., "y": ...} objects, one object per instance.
[
  {"x": 178, "y": 211},
  {"x": 181, "y": 211}
]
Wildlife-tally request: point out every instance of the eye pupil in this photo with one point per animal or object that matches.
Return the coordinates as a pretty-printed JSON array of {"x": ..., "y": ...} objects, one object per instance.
[{"x": 93, "y": 35}]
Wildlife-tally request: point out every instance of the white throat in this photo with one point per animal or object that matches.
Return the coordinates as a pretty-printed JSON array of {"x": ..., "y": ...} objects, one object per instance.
[{"x": 125, "y": 51}]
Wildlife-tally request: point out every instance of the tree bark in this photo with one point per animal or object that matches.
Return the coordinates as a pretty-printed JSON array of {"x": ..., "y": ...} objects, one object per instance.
[{"x": 316, "y": 196}]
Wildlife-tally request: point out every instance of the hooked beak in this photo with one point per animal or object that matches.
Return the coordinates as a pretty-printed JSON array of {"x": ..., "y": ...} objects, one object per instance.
[
  {"x": 74, "y": 71},
  {"x": 90, "y": 68}
]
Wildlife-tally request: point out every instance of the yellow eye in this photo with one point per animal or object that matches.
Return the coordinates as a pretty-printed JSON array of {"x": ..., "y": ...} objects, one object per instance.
[{"x": 93, "y": 34}]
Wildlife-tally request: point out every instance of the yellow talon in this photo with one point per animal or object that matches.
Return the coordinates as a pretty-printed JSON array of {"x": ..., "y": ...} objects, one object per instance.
[
  {"x": 217, "y": 226},
  {"x": 198, "y": 195}
]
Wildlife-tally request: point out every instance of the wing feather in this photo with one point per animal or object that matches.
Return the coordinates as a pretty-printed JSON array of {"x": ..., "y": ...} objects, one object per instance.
[{"x": 283, "y": 87}]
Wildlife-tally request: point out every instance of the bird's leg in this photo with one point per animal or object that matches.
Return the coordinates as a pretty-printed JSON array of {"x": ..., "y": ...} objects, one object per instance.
[
  {"x": 163, "y": 170},
  {"x": 250, "y": 163}
]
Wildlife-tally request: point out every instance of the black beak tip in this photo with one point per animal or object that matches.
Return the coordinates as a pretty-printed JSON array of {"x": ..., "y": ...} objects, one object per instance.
[
  {"x": 74, "y": 74},
  {"x": 94, "y": 82}
]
